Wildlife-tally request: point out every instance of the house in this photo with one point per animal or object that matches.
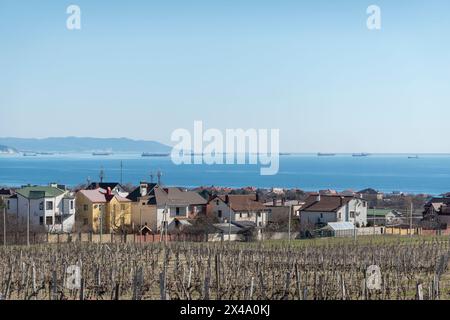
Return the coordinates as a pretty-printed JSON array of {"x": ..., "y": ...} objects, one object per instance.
[
  {"x": 155, "y": 205},
  {"x": 436, "y": 214},
  {"x": 49, "y": 208},
  {"x": 103, "y": 211},
  {"x": 319, "y": 210},
  {"x": 383, "y": 217},
  {"x": 279, "y": 209},
  {"x": 227, "y": 232},
  {"x": 5, "y": 194},
  {"x": 239, "y": 208},
  {"x": 370, "y": 194},
  {"x": 116, "y": 188}
]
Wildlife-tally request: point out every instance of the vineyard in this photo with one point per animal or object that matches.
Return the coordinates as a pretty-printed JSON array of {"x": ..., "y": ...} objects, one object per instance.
[{"x": 181, "y": 270}]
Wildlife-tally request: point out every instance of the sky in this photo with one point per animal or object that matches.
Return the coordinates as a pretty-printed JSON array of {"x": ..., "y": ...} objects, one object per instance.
[{"x": 312, "y": 69}]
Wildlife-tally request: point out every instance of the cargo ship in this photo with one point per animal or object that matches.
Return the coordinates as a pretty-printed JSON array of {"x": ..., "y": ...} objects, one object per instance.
[
  {"x": 362, "y": 154},
  {"x": 149, "y": 154},
  {"x": 321, "y": 154},
  {"x": 102, "y": 153}
]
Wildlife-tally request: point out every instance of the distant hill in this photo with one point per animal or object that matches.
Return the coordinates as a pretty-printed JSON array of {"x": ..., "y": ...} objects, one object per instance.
[
  {"x": 5, "y": 149},
  {"x": 75, "y": 144}
]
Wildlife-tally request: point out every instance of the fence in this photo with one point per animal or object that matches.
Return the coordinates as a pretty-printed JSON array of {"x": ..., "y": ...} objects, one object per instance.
[{"x": 20, "y": 238}]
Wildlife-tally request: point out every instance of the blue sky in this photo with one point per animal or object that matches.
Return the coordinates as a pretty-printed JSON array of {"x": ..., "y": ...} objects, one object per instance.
[{"x": 141, "y": 69}]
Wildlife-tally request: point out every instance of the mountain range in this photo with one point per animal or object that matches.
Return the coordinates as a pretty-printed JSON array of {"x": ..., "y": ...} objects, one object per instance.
[{"x": 77, "y": 144}]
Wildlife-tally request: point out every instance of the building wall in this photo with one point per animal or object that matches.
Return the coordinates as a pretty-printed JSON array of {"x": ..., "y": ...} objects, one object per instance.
[
  {"x": 92, "y": 213},
  {"x": 118, "y": 215},
  {"x": 142, "y": 214},
  {"x": 354, "y": 211},
  {"x": 42, "y": 218},
  {"x": 217, "y": 205}
]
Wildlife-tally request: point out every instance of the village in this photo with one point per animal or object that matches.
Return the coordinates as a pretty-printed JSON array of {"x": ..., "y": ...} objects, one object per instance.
[{"x": 152, "y": 212}]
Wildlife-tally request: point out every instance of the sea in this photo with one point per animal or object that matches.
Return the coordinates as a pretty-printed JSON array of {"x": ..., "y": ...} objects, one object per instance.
[{"x": 428, "y": 173}]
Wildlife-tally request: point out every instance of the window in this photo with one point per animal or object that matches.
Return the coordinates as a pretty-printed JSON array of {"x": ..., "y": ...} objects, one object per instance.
[
  {"x": 41, "y": 206},
  {"x": 41, "y": 220},
  {"x": 85, "y": 221},
  {"x": 122, "y": 207},
  {"x": 339, "y": 215},
  {"x": 240, "y": 214},
  {"x": 85, "y": 207},
  {"x": 321, "y": 216},
  {"x": 259, "y": 214},
  {"x": 219, "y": 213},
  {"x": 49, "y": 205},
  {"x": 352, "y": 214},
  {"x": 71, "y": 205},
  {"x": 49, "y": 221},
  {"x": 57, "y": 219},
  {"x": 217, "y": 202},
  {"x": 177, "y": 211}
]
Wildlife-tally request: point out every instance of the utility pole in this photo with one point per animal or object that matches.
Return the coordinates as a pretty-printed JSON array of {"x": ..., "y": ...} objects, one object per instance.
[
  {"x": 373, "y": 219},
  {"x": 229, "y": 224},
  {"x": 410, "y": 219},
  {"x": 101, "y": 225},
  {"x": 28, "y": 224},
  {"x": 289, "y": 223},
  {"x": 4, "y": 226}
]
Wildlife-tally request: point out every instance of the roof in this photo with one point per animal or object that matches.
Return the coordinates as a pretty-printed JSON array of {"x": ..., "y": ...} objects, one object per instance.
[
  {"x": 226, "y": 227},
  {"x": 368, "y": 191},
  {"x": 176, "y": 196},
  {"x": 99, "y": 196},
  {"x": 339, "y": 226},
  {"x": 103, "y": 185},
  {"x": 244, "y": 224},
  {"x": 136, "y": 193},
  {"x": 37, "y": 192},
  {"x": 6, "y": 192},
  {"x": 378, "y": 212},
  {"x": 243, "y": 202},
  {"x": 327, "y": 203}
]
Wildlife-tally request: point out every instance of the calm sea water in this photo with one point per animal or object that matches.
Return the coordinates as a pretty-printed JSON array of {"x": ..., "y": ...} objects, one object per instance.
[{"x": 427, "y": 174}]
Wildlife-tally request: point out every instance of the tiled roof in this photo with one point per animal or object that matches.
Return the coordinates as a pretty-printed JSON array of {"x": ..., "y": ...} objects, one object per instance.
[
  {"x": 38, "y": 192},
  {"x": 244, "y": 202},
  {"x": 136, "y": 193},
  {"x": 327, "y": 203},
  {"x": 175, "y": 196},
  {"x": 99, "y": 196}
]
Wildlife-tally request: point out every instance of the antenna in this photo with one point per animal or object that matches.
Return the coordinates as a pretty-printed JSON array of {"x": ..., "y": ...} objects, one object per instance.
[
  {"x": 159, "y": 174},
  {"x": 121, "y": 172},
  {"x": 102, "y": 174},
  {"x": 151, "y": 177}
]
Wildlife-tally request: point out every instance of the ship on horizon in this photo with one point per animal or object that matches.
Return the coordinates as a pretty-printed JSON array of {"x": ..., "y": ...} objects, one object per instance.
[
  {"x": 102, "y": 153},
  {"x": 324, "y": 154},
  {"x": 362, "y": 154},
  {"x": 153, "y": 154}
]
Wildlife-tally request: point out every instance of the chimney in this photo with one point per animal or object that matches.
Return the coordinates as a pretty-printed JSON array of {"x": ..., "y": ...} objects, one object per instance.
[
  {"x": 227, "y": 199},
  {"x": 143, "y": 189},
  {"x": 318, "y": 198},
  {"x": 108, "y": 191},
  {"x": 274, "y": 201},
  {"x": 342, "y": 200}
]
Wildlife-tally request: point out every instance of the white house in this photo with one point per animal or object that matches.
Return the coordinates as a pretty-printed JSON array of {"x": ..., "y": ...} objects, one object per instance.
[
  {"x": 154, "y": 205},
  {"x": 240, "y": 208},
  {"x": 322, "y": 209},
  {"x": 48, "y": 208}
]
